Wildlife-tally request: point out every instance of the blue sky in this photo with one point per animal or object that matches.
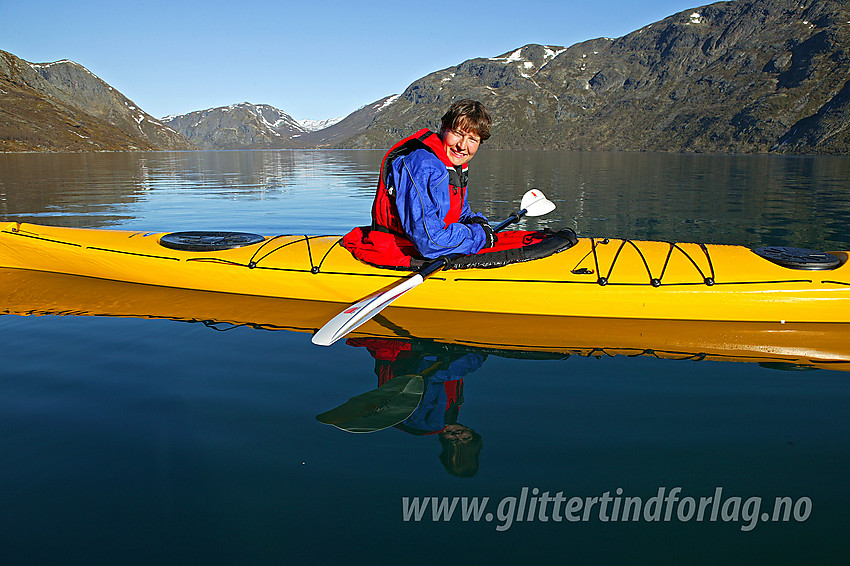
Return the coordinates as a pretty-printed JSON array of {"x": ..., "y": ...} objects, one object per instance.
[{"x": 312, "y": 59}]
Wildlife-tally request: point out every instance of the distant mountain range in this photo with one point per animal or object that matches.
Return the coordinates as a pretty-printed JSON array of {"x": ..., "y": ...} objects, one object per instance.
[
  {"x": 239, "y": 126},
  {"x": 740, "y": 77},
  {"x": 259, "y": 126}
]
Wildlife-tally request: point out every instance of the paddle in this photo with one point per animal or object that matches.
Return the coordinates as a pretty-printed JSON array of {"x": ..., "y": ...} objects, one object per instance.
[
  {"x": 381, "y": 408},
  {"x": 533, "y": 204}
]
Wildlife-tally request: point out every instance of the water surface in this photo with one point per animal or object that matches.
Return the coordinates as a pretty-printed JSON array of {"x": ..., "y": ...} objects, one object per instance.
[{"x": 136, "y": 441}]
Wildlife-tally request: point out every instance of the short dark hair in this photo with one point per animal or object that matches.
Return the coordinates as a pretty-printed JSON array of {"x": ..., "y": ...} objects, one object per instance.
[
  {"x": 467, "y": 115},
  {"x": 461, "y": 458}
]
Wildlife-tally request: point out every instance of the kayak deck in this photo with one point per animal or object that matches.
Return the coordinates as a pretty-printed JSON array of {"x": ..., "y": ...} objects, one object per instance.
[{"x": 597, "y": 277}]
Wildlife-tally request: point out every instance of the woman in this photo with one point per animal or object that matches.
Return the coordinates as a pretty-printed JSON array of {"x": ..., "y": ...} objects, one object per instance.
[{"x": 420, "y": 209}]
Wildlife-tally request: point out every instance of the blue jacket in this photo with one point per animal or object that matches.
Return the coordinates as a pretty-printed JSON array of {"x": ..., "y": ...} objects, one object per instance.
[{"x": 422, "y": 198}]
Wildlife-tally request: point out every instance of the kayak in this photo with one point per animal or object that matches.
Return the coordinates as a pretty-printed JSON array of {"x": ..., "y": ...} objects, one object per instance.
[
  {"x": 827, "y": 345},
  {"x": 594, "y": 278}
]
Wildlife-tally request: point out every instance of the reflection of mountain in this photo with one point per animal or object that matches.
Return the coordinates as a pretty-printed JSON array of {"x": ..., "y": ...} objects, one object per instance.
[
  {"x": 77, "y": 189},
  {"x": 819, "y": 345},
  {"x": 82, "y": 189},
  {"x": 765, "y": 200}
]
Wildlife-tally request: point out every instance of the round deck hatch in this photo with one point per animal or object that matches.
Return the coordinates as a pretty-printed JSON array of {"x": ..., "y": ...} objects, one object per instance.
[
  {"x": 798, "y": 258},
  {"x": 195, "y": 241}
]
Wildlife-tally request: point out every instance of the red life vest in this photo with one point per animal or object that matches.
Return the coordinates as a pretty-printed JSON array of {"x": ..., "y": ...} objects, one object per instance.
[
  {"x": 385, "y": 242},
  {"x": 384, "y": 213}
]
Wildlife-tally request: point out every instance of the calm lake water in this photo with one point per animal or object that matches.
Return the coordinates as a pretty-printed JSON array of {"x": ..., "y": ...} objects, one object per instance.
[{"x": 134, "y": 441}]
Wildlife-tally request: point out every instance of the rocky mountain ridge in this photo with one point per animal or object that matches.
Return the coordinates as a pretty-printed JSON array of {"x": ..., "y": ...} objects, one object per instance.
[
  {"x": 748, "y": 76},
  {"x": 62, "y": 106},
  {"x": 739, "y": 77},
  {"x": 238, "y": 126}
]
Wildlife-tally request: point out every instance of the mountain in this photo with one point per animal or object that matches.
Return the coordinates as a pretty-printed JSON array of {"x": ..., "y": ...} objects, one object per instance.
[
  {"x": 239, "y": 126},
  {"x": 352, "y": 125},
  {"x": 742, "y": 77},
  {"x": 250, "y": 126},
  {"x": 62, "y": 106},
  {"x": 748, "y": 76},
  {"x": 523, "y": 110}
]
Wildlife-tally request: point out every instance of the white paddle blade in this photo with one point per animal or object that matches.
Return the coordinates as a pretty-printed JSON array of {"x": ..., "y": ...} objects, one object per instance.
[
  {"x": 536, "y": 204},
  {"x": 361, "y": 312}
]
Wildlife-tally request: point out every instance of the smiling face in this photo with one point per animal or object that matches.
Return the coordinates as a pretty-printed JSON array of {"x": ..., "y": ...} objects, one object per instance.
[{"x": 460, "y": 145}]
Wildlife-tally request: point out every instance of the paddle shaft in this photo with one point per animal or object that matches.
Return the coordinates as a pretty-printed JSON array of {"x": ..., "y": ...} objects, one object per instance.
[
  {"x": 440, "y": 263},
  {"x": 365, "y": 309},
  {"x": 514, "y": 217}
]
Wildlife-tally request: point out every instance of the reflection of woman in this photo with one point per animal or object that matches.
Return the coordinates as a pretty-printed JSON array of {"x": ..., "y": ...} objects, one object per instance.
[
  {"x": 442, "y": 396},
  {"x": 461, "y": 447}
]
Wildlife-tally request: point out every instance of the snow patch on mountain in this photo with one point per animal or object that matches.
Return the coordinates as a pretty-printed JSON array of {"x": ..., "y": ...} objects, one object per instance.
[
  {"x": 522, "y": 59},
  {"x": 389, "y": 101},
  {"x": 316, "y": 125}
]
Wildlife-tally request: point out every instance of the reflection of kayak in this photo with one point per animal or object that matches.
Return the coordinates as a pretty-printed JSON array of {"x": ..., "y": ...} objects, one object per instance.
[
  {"x": 596, "y": 278},
  {"x": 825, "y": 345}
]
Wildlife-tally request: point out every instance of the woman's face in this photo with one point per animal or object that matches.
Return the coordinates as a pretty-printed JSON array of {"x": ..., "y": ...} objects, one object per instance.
[{"x": 460, "y": 145}]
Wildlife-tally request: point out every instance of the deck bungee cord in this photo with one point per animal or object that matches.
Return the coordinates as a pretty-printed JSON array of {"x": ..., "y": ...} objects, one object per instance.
[
  {"x": 643, "y": 279},
  {"x": 653, "y": 281}
]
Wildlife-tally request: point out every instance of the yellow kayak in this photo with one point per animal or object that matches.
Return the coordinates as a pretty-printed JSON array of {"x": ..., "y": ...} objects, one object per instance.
[{"x": 595, "y": 278}]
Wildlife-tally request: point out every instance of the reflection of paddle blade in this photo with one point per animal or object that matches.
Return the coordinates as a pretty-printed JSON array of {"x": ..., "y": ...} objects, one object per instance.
[{"x": 378, "y": 409}]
